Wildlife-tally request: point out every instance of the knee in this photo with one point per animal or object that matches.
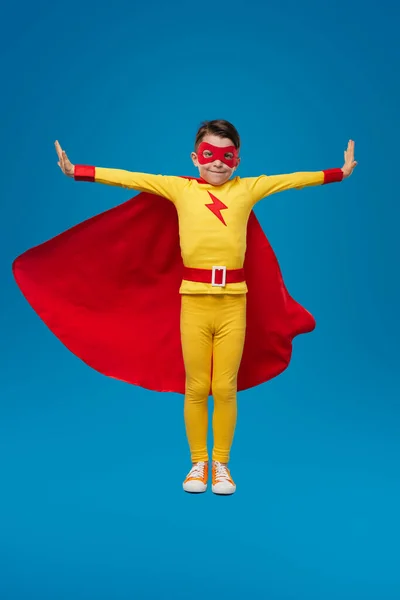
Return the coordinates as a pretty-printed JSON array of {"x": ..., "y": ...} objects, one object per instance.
[
  {"x": 197, "y": 391},
  {"x": 224, "y": 390}
]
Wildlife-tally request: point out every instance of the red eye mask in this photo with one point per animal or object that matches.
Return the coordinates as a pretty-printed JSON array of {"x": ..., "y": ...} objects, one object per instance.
[{"x": 217, "y": 153}]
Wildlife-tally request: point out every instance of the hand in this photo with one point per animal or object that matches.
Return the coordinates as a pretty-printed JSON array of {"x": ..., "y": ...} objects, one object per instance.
[
  {"x": 349, "y": 162},
  {"x": 63, "y": 162}
]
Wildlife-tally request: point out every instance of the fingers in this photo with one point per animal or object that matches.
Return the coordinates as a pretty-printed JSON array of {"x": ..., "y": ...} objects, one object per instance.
[
  {"x": 349, "y": 162},
  {"x": 62, "y": 155},
  {"x": 349, "y": 152},
  {"x": 66, "y": 163},
  {"x": 58, "y": 149},
  {"x": 350, "y": 148},
  {"x": 63, "y": 160}
]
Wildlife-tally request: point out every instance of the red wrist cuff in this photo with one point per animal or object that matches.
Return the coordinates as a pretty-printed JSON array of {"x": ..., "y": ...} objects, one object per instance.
[
  {"x": 333, "y": 175},
  {"x": 84, "y": 173}
]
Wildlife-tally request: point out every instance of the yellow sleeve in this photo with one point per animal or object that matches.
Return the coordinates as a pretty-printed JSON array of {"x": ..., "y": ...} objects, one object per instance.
[
  {"x": 265, "y": 185},
  {"x": 169, "y": 187}
]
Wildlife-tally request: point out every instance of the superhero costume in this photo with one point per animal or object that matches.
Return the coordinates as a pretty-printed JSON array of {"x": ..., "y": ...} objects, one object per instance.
[{"x": 108, "y": 288}]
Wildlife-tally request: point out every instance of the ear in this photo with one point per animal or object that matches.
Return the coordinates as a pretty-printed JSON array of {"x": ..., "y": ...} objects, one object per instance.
[
  {"x": 237, "y": 163},
  {"x": 194, "y": 159}
]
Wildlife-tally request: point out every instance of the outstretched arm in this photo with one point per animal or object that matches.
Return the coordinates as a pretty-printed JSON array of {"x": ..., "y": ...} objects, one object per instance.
[
  {"x": 167, "y": 186},
  {"x": 265, "y": 185}
]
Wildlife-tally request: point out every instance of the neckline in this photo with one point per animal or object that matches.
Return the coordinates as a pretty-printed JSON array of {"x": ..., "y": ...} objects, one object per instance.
[{"x": 202, "y": 181}]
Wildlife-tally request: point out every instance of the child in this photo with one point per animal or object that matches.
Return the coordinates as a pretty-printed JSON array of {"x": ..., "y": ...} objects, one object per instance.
[
  {"x": 108, "y": 288},
  {"x": 213, "y": 212}
]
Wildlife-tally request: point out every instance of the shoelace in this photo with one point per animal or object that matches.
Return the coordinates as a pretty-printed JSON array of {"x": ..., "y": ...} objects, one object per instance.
[
  {"x": 221, "y": 472},
  {"x": 197, "y": 470}
]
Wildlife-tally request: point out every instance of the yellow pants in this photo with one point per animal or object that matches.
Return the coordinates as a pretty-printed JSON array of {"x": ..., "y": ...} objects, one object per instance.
[{"x": 213, "y": 331}]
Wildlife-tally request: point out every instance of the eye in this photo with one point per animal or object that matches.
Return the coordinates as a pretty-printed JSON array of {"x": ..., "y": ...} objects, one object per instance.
[
  {"x": 228, "y": 155},
  {"x": 207, "y": 153}
]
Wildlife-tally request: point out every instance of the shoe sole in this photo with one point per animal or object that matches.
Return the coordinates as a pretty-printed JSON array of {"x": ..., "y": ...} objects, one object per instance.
[
  {"x": 189, "y": 491},
  {"x": 218, "y": 493}
]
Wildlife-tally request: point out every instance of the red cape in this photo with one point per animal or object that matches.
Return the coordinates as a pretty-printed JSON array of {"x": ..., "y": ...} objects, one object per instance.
[{"x": 108, "y": 288}]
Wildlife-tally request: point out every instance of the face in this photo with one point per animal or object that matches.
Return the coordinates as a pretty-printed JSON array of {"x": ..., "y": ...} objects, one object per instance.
[{"x": 216, "y": 159}]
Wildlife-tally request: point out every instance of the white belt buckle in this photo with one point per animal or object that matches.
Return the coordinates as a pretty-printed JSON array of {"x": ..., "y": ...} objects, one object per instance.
[{"x": 214, "y": 271}]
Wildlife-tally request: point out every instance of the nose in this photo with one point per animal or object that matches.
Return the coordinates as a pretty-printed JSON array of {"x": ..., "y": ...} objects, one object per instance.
[{"x": 218, "y": 163}]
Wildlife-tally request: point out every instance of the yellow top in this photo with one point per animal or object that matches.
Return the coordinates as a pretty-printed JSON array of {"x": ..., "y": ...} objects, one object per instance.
[{"x": 212, "y": 219}]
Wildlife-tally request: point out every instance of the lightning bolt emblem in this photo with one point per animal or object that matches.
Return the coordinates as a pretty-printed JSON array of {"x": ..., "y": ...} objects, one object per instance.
[{"x": 216, "y": 206}]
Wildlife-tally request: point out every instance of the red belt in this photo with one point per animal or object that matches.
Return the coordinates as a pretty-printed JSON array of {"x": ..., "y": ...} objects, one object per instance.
[{"x": 217, "y": 276}]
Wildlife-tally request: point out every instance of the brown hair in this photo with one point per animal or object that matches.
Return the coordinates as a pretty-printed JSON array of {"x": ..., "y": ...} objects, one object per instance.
[{"x": 218, "y": 127}]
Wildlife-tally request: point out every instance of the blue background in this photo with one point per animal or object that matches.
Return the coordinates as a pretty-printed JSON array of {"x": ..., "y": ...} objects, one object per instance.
[{"x": 91, "y": 502}]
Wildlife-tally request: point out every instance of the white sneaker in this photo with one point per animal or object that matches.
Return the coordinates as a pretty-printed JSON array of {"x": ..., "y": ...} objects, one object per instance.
[
  {"x": 196, "y": 479},
  {"x": 222, "y": 482}
]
